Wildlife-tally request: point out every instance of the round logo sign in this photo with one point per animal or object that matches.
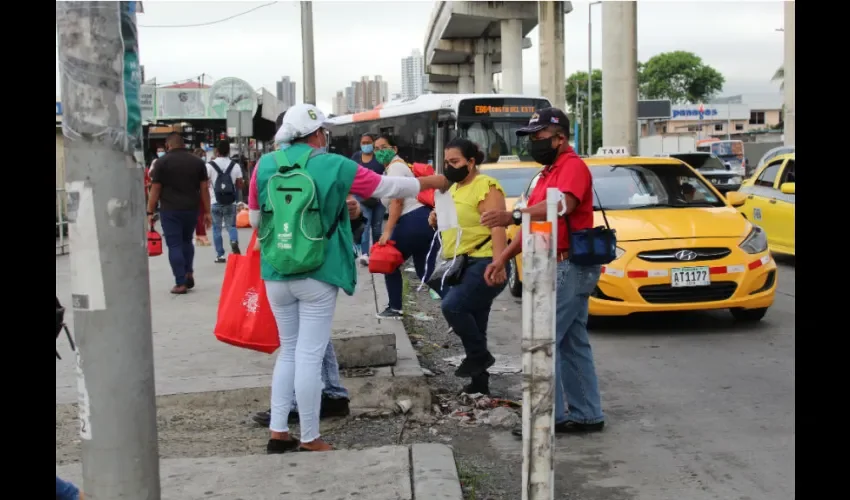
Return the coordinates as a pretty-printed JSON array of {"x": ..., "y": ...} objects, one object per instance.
[{"x": 231, "y": 93}]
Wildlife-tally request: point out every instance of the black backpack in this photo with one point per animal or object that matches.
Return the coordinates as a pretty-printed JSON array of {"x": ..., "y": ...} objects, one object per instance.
[{"x": 224, "y": 190}]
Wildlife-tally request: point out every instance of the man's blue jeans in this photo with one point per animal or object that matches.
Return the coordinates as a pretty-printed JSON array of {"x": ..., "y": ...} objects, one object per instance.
[
  {"x": 375, "y": 222},
  {"x": 178, "y": 228},
  {"x": 575, "y": 372},
  {"x": 226, "y": 215},
  {"x": 66, "y": 490},
  {"x": 466, "y": 307},
  {"x": 413, "y": 236}
]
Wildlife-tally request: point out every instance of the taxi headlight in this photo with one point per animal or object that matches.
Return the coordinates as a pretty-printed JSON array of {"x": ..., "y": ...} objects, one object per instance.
[
  {"x": 755, "y": 242},
  {"x": 619, "y": 253}
]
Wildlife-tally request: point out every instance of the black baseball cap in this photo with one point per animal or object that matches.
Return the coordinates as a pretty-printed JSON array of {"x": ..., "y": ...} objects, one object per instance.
[{"x": 542, "y": 119}]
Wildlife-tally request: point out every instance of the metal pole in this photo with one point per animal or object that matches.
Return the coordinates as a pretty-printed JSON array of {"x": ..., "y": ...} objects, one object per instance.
[
  {"x": 309, "y": 63},
  {"x": 577, "y": 124},
  {"x": 98, "y": 62},
  {"x": 589, "y": 78},
  {"x": 538, "y": 344}
]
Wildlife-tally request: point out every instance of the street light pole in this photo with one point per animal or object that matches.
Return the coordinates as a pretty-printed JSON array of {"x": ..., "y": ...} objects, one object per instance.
[
  {"x": 99, "y": 70},
  {"x": 590, "y": 77},
  {"x": 309, "y": 63}
]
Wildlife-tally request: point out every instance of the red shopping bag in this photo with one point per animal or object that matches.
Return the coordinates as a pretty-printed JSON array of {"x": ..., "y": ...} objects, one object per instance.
[
  {"x": 244, "y": 316},
  {"x": 421, "y": 170}
]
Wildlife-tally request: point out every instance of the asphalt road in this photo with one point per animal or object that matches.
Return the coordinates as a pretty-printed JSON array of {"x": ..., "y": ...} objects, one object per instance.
[{"x": 698, "y": 407}]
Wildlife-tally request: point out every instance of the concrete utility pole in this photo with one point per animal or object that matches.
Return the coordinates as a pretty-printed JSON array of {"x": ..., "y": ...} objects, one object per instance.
[
  {"x": 590, "y": 77},
  {"x": 790, "y": 79},
  {"x": 619, "y": 75},
  {"x": 539, "y": 250},
  {"x": 309, "y": 63},
  {"x": 552, "y": 76},
  {"x": 110, "y": 291}
]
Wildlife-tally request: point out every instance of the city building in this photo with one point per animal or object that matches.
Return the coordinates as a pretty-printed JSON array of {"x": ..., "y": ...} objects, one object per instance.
[
  {"x": 362, "y": 96},
  {"x": 286, "y": 92},
  {"x": 737, "y": 116},
  {"x": 413, "y": 77},
  {"x": 340, "y": 106}
]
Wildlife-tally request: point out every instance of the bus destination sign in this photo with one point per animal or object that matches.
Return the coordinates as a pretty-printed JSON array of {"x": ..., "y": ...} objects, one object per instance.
[{"x": 503, "y": 110}]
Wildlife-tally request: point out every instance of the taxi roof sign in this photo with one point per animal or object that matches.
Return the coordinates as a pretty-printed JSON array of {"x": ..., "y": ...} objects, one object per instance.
[{"x": 612, "y": 151}]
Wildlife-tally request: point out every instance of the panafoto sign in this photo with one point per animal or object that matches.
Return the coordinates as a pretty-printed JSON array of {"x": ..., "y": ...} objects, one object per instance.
[{"x": 694, "y": 113}]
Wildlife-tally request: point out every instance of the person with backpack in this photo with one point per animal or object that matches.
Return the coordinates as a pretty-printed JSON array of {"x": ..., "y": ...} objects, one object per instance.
[
  {"x": 407, "y": 225},
  {"x": 225, "y": 183},
  {"x": 297, "y": 202}
]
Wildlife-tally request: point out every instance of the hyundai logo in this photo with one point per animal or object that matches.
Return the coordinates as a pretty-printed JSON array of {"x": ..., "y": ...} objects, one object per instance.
[{"x": 685, "y": 255}]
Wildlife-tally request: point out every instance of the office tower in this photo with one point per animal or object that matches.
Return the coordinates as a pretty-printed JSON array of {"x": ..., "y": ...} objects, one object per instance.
[
  {"x": 413, "y": 76},
  {"x": 286, "y": 92}
]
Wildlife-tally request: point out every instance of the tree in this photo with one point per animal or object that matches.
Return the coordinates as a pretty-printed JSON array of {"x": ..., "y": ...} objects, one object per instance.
[
  {"x": 779, "y": 76},
  {"x": 679, "y": 76},
  {"x": 576, "y": 86}
]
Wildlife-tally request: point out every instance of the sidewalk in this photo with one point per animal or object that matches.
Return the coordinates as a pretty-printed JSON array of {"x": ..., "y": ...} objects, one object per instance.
[
  {"x": 420, "y": 471},
  {"x": 193, "y": 366}
]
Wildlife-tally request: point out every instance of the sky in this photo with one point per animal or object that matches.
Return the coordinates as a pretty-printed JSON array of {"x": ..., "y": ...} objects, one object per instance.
[{"x": 353, "y": 39}]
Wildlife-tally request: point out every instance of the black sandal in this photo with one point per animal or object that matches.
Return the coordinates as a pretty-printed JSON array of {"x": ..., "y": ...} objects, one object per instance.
[{"x": 277, "y": 446}]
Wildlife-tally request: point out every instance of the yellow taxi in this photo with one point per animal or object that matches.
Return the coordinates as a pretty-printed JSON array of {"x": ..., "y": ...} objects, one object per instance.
[
  {"x": 681, "y": 245},
  {"x": 513, "y": 176},
  {"x": 767, "y": 199}
]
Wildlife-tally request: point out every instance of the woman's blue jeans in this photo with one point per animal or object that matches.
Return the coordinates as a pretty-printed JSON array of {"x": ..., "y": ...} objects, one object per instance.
[
  {"x": 412, "y": 236},
  {"x": 66, "y": 490},
  {"x": 466, "y": 307},
  {"x": 375, "y": 221}
]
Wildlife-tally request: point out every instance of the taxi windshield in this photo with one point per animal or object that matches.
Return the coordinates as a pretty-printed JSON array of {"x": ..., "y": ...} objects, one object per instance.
[
  {"x": 631, "y": 187},
  {"x": 513, "y": 180}
]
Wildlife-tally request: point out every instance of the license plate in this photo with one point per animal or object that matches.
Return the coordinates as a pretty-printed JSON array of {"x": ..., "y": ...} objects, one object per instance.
[{"x": 689, "y": 276}]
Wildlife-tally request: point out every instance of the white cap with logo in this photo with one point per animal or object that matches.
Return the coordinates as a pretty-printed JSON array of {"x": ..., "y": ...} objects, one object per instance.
[{"x": 300, "y": 120}]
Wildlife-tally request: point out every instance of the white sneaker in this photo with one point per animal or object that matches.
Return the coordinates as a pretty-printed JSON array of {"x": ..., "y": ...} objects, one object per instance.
[{"x": 363, "y": 260}]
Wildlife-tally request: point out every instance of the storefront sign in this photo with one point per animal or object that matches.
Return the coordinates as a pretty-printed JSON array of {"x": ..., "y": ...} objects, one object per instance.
[{"x": 694, "y": 113}]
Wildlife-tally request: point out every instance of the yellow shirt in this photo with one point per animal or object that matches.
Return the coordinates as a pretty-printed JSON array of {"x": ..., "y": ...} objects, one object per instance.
[{"x": 472, "y": 233}]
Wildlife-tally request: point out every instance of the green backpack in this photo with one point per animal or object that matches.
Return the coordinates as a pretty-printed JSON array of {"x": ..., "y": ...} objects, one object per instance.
[{"x": 293, "y": 239}]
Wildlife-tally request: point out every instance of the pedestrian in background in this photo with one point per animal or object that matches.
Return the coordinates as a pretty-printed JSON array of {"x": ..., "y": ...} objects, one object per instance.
[
  {"x": 226, "y": 177},
  {"x": 201, "y": 239},
  {"x": 466, "y": 305},
  {"x": 372, "y": 208},
  {"x": 181, "y": 186},
  {"x": 407, "y": 226},
  {"x": 564, "y": 170}
]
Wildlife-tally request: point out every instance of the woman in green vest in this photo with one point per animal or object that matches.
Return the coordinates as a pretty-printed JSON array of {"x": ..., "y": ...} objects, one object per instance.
[{"x": 303, "y": 303}]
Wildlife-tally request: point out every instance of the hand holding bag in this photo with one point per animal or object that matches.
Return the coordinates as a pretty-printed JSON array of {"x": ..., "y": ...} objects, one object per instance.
[{"x": 245, "y": 318}]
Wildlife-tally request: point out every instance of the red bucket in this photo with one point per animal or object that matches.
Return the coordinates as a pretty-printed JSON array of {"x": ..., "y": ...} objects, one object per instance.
[{"x": 384, "y": 259}]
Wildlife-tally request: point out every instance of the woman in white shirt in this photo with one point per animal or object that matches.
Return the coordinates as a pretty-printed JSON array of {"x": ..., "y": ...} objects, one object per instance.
[{"x": 407, "y": 225}]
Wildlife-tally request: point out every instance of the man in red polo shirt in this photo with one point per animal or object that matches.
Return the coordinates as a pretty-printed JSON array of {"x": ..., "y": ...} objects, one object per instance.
[{"x": 575, "y": 372}]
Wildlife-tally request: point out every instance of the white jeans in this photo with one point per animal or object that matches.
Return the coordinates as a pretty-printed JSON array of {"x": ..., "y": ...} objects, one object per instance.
[{"x": 304, "y": 310}]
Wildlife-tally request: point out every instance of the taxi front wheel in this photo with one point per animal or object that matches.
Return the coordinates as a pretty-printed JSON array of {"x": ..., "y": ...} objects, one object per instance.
[
  {"x": 748, "y": 315},
  {"x": 514, "y": 283}
]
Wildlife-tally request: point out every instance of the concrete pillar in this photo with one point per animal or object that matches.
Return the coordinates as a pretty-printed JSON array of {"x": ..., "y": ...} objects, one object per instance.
[
  {"x": 465, "y": 83},
  {"x": 512, "y": 56},
  {"x": 552, "y": 72},
  {"x": 482, "y": 66},
  {"x": 619, "y": 75},
  {"x": 790, "y": 79}
]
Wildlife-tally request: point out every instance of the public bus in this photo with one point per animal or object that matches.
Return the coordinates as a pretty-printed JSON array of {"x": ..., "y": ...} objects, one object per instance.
[
  {"x": 729, "y": 151},
  {"x": 422, "y": 126}
]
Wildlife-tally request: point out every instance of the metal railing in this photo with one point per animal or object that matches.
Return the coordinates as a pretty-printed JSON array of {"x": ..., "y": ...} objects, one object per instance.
[{"x": 61, "y": 222}]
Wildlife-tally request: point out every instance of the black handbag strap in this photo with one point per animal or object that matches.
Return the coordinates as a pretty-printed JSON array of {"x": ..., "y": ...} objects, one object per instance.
[
  {"x": 481, "y": 245},
  {"x": 601, "y": 208}
]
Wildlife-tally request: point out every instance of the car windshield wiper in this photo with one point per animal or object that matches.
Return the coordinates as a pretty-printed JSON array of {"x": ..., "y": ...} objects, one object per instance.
[
  {"x": 697, "y": 204},
  {"x": 654, "y": 205}
]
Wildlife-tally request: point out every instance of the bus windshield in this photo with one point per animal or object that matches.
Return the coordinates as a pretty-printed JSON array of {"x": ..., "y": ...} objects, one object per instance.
[{"x": 492, "y": 124}]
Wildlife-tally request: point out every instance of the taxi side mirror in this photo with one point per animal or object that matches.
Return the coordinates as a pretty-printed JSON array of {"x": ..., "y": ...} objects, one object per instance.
[
  {"x": 787, "y": 188},
  {"x": 736, "y": 199}
]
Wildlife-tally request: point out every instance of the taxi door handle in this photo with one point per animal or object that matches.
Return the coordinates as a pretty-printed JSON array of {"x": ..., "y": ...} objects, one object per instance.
[{"x": 773, "y": 201}]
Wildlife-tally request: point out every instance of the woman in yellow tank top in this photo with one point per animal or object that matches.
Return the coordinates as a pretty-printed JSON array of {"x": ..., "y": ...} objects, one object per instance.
[{"x": 466, "y": 306}]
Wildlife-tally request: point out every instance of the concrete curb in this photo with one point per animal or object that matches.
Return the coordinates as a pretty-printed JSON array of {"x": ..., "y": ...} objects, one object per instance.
[
  {"x": 419, "y": 471},
  {"x": 434, "y": 472}
]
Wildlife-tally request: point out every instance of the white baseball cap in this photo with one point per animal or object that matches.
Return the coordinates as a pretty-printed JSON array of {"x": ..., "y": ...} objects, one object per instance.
[{"x": 300, "y": 120}]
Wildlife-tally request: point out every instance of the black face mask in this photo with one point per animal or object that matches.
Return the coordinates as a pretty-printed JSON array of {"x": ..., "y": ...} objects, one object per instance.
[
  {"x": 456, "y": 174},
  {"x": 542, "y": 151}
]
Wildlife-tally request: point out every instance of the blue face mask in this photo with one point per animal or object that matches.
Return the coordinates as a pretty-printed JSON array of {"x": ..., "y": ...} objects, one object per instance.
[
  {"x": 160, "y": 154},
  {"x": 367, "y": 148}
]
